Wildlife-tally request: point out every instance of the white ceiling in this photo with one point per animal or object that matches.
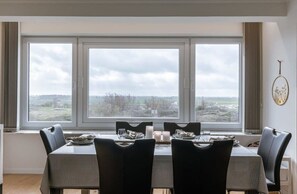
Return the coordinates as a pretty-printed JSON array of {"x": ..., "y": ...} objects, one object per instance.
[{"x": 18, "y": 9}]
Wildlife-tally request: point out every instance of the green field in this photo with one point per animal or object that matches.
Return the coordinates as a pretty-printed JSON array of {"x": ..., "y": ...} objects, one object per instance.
[{"x": 58, "y": 107}]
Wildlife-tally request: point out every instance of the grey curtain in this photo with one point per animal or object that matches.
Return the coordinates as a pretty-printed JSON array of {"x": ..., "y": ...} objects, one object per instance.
[
  {"x": 252, "y": 49},
  {"x": 9, "y": 75}
]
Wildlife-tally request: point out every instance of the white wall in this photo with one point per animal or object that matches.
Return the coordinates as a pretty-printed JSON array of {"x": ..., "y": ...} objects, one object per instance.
[
  {"x": 132, "y": 27},
  {"x": 279, "y": 43},
  {"x": 1, "y": 154},
  {"x": 23, "y": 154}
]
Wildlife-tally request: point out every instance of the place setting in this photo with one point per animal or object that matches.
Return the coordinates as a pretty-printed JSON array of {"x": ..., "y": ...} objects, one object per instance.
[
  {"x": 85, "y": 139},
  {"x": 181, "y": 134}
]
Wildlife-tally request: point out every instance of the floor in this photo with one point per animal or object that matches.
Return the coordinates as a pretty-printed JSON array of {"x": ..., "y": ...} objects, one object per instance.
[{"x": 29, "y": 184}]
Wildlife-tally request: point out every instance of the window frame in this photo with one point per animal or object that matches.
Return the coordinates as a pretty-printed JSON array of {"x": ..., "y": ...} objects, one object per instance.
[
  {"x": 108, "y": 123},
  {"x": 218, "y": 126},
  {"x": 24, "y": 82},
  {"x": 80, "y": 81}
]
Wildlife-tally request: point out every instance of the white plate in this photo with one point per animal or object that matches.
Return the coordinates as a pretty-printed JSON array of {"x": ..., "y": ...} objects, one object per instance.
[
  {"x": 138, "y": 136},
  {"x": 183, "y": 137}
]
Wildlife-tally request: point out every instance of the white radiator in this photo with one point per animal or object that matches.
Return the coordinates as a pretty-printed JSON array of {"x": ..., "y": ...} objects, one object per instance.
[{"x": 1, "y": 158}]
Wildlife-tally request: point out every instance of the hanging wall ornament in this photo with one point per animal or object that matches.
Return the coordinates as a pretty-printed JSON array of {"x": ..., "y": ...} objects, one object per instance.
[{"x": 280, "y": 88}]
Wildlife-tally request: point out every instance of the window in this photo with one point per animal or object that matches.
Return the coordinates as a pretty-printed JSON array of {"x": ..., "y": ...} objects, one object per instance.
[
  {"x": 134, "y": 79},
  {"x": 49, "y": 85},
  {"x": 217, "y": 82}
]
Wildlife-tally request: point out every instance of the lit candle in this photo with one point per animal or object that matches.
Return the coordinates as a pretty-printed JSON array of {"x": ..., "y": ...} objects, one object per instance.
[
  {"x": 157, "y": 135},
  {"x": 166, "y": 136},
  {"x": 149, "y": 132}
]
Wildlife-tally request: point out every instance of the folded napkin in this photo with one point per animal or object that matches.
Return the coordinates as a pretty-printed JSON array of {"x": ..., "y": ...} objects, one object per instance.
[
  {"x": 218, "y": 138},
  {"x": 133, "y": 135},
  {"x": 182, "y": 133},
  {"x": 229, "y": 137}
]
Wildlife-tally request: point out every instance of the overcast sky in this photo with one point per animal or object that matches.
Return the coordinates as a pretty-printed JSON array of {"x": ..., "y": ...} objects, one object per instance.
[
  {"x": 139, "y": 72},
  {"x": 217, "y": 70},
  {"x": 50, "y": 69}
]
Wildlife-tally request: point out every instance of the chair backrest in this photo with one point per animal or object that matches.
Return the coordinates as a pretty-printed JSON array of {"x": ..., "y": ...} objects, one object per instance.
[
  {"x": 52, "y": 137},
  {"x": 272, "y": 147},
  {"x": 194, "y": 127},
  {"x": 200, "y": 169},
  {"x": 140, "y": 127},
  {"x": 125, "y": 169}
]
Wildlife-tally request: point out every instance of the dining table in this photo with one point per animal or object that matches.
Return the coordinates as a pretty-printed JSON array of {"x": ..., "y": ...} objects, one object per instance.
[{"x": 75, "y": 167}]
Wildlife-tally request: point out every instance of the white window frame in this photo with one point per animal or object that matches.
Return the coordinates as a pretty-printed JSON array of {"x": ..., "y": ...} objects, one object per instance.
[
  {"x": 80, "y": 92},
  {"x": 234, "y": 126},
  {"x": 109, "y": 122},
  {"x": 24, "y": 83}
]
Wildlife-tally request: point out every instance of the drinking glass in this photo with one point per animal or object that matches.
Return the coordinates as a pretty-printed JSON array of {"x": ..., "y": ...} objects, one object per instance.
[
  {"x": 121, "y": 133},
  {"x": 206, "y": 135}
]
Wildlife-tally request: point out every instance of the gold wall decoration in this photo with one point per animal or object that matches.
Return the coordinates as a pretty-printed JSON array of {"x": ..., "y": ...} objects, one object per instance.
[{"x": 280, "y": 88}]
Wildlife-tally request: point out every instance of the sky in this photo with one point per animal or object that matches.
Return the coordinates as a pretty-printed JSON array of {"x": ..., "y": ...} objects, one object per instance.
[
  {"x": 50, "y": 69},
  {"x": 217, "y": 70},
  {"x": 139, "y": 72}
]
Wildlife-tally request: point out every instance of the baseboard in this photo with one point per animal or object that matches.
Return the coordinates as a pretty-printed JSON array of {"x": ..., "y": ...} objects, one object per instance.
[{"x": 23, "y": 171}]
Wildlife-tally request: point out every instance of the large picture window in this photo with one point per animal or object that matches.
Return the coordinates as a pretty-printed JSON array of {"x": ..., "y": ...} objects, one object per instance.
[{"x": 133, "y": 79}]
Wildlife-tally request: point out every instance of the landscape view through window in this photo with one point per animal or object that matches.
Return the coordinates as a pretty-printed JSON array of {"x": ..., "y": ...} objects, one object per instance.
[{"x": 133, "y": 82}]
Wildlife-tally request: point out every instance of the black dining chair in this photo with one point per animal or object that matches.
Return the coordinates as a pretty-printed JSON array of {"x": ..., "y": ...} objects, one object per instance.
[
  {"x": 139, "y": 127},
  {"x": 52, "y": 137},
  {"x": 194, "y": 127},
  {"x": 272, "y": 147},
  {"x": 200, "y": 169},
  {"x": 125, "y": 169}
]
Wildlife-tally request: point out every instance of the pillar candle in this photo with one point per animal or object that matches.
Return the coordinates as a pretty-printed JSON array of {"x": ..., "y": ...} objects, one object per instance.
[
  {"x": 149, "y": 132},
  {"x": 166, "y": 136},
  {"x": 157, "y": 135}
]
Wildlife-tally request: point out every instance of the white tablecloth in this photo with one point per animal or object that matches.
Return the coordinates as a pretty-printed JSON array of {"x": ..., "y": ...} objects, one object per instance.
[{"x": 76, "y": 167}]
